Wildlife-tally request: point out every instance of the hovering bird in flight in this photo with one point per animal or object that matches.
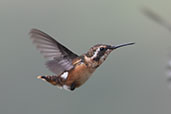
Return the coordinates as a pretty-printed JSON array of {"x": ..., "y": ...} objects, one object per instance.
[{"x": 71, "y": 70}]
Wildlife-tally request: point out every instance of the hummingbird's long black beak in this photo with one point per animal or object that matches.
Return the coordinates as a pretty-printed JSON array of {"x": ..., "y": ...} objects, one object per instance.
[{"x": 121, "y": 45}]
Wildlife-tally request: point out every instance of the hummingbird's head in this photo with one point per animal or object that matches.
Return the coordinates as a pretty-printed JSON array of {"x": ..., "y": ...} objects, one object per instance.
[{"x": 100, "y": 52}]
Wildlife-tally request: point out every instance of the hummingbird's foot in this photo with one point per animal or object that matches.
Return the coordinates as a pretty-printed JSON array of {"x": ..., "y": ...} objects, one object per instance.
[{"x": 72, "y": 86}]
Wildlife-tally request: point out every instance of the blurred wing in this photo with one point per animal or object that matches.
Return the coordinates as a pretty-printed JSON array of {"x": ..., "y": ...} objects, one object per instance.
[
  {"x": 59, "y": 57},
  {"x": 157, "y": 18},
  {"x": 168, "y": 72}
]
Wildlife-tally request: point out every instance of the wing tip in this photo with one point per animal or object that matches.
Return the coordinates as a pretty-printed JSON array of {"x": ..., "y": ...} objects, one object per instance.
[{"x": 33, "y": 30}]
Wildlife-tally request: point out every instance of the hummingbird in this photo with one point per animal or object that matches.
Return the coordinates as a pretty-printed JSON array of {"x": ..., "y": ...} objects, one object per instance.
[{"x": 70, "y": 70}]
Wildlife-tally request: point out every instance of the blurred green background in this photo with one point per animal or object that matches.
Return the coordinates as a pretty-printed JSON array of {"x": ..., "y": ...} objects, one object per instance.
[{"x": 131, "y": 81}]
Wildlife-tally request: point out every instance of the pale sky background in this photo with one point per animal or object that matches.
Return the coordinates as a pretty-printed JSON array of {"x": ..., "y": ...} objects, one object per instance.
[{"x": 131, "y": 81}]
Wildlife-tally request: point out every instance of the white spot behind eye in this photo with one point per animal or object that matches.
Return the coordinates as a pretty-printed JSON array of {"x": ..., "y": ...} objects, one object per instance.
[
  {"x": 64, "y": 75},
  {"x": 96, "y": 52}
]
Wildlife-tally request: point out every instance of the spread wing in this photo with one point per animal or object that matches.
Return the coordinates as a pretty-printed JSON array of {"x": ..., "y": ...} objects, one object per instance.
[{"x": 59, "y": 57}]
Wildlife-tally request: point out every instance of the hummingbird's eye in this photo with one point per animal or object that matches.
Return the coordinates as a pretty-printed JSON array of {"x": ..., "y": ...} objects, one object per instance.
[{"x": 102, "y": 48}]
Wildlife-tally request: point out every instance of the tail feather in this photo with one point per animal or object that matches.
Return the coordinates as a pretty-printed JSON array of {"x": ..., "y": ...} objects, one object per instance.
[{"x": 54, "y": 80}]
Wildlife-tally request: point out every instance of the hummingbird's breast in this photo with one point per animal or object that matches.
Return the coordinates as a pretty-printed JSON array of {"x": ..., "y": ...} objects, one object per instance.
[{"x": 79, "y": 74}]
